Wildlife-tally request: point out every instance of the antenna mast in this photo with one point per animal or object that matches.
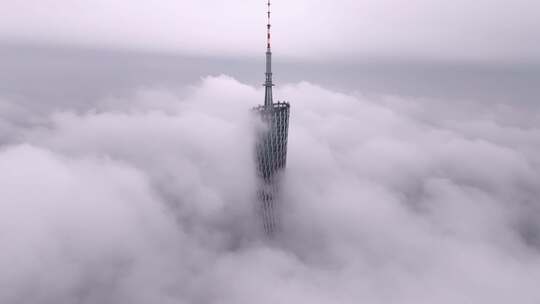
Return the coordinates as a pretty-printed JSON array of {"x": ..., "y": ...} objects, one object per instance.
[{"x": 268, "y": 99}]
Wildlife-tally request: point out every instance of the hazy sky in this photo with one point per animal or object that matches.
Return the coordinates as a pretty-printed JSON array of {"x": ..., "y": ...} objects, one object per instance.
[
  {"x": 484, "y": 50},
  {"x": 480, "y": 30}
]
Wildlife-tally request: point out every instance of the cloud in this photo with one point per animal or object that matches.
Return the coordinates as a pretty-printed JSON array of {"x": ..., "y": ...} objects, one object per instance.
[
  {"x": 483, "y": 30},
  {"x": 150, "y": 197}
]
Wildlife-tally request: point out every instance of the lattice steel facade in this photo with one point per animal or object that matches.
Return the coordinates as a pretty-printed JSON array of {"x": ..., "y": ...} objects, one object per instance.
[{"x": 271, "y": 154}]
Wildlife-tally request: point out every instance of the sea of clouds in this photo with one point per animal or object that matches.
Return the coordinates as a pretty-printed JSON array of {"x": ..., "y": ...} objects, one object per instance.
[{"x": 150, "y": 198}]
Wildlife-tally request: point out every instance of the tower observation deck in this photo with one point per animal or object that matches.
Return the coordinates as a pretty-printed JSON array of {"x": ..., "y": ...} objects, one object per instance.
[{"x": 271, "y": 147}]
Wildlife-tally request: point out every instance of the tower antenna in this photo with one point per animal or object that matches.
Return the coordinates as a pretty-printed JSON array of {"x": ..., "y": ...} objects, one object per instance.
[
  {"x": 268, "y": 98},
  {"x": 269, "y": 25}
]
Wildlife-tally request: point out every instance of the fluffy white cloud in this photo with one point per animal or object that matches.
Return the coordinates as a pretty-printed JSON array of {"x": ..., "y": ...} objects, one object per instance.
[{"x": 150, "y": 199}]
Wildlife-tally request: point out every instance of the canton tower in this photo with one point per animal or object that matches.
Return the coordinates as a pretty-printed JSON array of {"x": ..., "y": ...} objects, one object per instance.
[{"x": 271, "y": 147}]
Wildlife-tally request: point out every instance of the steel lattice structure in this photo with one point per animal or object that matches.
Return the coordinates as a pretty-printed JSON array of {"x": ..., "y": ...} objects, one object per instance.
[
  {"x": 271, "y": 147},
  {"x": 271, "y": 153}
]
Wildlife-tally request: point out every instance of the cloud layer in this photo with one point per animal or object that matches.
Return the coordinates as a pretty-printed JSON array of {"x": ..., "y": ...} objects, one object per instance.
[{"x": 150, "y": 198}]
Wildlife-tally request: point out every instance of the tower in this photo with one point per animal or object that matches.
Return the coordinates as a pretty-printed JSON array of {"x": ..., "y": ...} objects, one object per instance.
[{"x": 271, "y": 147}]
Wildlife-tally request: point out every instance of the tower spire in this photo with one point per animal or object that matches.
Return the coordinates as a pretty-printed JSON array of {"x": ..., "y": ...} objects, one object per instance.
[
  {"x": 271, "y": 147},
  {"x": 268, "y": 99}
]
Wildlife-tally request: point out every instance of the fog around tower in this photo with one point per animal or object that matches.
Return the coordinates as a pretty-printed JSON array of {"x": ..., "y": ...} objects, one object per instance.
[
  {"x": 149, "y": 198},
  {"x": 127, "y": 168}
]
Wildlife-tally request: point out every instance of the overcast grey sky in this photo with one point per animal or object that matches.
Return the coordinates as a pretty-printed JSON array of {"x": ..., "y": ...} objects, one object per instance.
[
  {"x": 484, "y": 50},
  {"x": 480, "y": 30}
]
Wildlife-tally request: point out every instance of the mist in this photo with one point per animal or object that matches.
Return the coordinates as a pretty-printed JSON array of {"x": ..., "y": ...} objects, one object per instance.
[
  {"x": 149, "y": 196},
  {"x": 127, "y": 155}
]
